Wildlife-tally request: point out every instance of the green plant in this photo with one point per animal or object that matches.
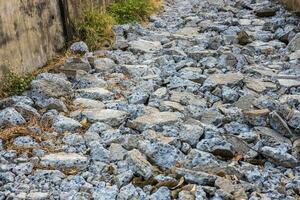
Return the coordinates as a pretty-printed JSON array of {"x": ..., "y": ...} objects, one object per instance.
[
  {"x": 95, "y": 28},
  {"x": 14, "y": 84},
  {"x": 128, "y": 11}
]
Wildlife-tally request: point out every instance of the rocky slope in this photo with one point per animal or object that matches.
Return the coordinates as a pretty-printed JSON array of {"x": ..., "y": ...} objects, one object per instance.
[{"x": 202, "y": 103}]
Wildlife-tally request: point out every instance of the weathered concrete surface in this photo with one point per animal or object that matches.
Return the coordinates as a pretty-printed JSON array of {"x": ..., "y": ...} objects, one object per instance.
[
  {"x": 293, "y": 5},
  {"x": 31, "y": 33}
]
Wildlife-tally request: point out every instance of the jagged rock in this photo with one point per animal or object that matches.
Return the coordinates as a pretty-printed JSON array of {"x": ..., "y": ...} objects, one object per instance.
[
  {"x": 94, "y": 93},
  {"x": 265, "y": 12},
  {"x": 27, "y": 111},
  {"x": 79, "y": 47},
  {"x": 74, "y": 64},
  {"x": 64, "y": 161},
  {"x": 278, "y": 124},
  {"x": 257, "y": 117},
  {"x": 144, "y": 46},
  {"x": 279, "y": 157},
  {"x": 294, "y": 44},
  {"x": 9, "y": 117},
  {"x": 51, "y": 85},
  {"x": 154, "y": 120},
  {"x": 111, "y": 117},
  {"x": 139, "y": 164},
  {"x": 228, "y": 79},
  {"x": 84, "y": 103},
  {"x": 106, "y": 193},
  {"x": 62, "y": 124},
  {"x": 197, "y": 177},
  {"x": 104, "y": 65}
]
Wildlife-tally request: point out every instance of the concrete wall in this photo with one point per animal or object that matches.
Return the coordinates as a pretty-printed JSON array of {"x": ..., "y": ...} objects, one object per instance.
[
  {"x": 34, "y": 31},
  {"x": 292, "y": 5}
]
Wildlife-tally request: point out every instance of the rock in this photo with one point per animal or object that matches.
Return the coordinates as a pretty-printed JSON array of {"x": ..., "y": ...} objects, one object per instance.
[
  {"x": 124, "y": 178},
  {"x": 111, "y": 117},
  {"x": 163, "y": 193},
  {"x": 94, "y": 93},
  {"x": 287, "y": 83},
  {"x": 104, "y": 65},
  {"x": 191, "y": 134},
  {"x": 106, "y": 193},
  {"x": 84, "y": 103},
  {"x": 38, "y": 196},
  {"x": 257, "y": 117},
  {"x": 217, "y": 146},
  {"x": 196, "y": 158},
  {"x": 294, "y": 44},
  {"x": 25, "y": 142},
  {"x": 11, "y": 101},
  {"x": 228, "y": 79},
  {"x": 225, "y": 184},
  {"x": 64, "y": 161},
  {"x": 265, "y": 12},
  {"x": 162, "y": 154},
  {"x": 98, "y": 152},
  {"x": 27, "y": 111},
  {"x": 279, "y": 125},
  {"x": 271, "y": 136},
  {"x": 154, "y": 120},
  {"x": 196, "y": 177},
  {"x": 139, "y": 164},
  {"x": 186, "y": 195},
  {"x": 139, "y": 71},
  {"x": 79, "y": 47},
  {"x": 294, "y": 120},
  {"x": 278, "y": 156},
  {"x": 74, "y": 64},
  {"x": 188, "y": 31},
  {"x": 62, "y": 124},
  {"x": 144, "y": 46},
  {"x": 243, "y": 38},
  {"x": 51, "y": 85},
  {"x": 9, "y": 117},
  {"x": 116, "y": 152}
]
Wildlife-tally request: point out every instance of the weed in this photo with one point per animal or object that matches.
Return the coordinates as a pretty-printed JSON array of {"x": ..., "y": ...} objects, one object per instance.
[
  {"x": 95, "y": 28},
  {"x": 14, "y": 84},
  {"x": 128, "y": 11}
]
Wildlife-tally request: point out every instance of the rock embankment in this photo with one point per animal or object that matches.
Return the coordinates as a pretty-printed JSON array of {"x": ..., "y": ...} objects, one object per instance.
[{"x": 202, "y": 103}]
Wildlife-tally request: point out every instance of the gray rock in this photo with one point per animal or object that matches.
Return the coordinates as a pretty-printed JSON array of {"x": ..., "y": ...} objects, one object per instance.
[
  {"x": 196, "y": 177},
  {"x": 279, "y": 125},
  {"x": 104, "y": 65},
  {"x": 62, "y": 124},
  {"x": 106, "y": 193},
  {"x": 144, "y": 46},
  {"x": 191, "y": 134},
  {"x": 64, "y": 161},
  {"x": 94, "y": 93},
  {"x": 116, "y": 152},
  {"x": 98, "y": 152},
  {"x": 124, "y": 178},
  {"x": 294, "y": 44},
  {"x": 139, "y": 164},
  {"x": 27, "y": 111},
  {"x": 111, "y": 117},
  {"x": 217, "y": 146},
  {"x": 295, "y": 119},
  {"x": 51, "y": 85},
  {"x": 163, "y": 193},
  {"x": 154, "y": 120},
  {"x": 73, "y": 64},
  {"x": 280, "y": 157},
  {"x": 79, "y": 47},
  {"x": 9, "y": 117},
  {"x": 25, "y": 142}
]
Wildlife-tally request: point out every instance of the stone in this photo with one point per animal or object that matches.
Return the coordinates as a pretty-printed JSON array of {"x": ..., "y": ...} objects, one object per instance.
[
  {"x": 75, "y": 63},
  {"x": 294, "y": 120},
  {"x": 294, "y": 44},
  {"x": 196, "y": 158},
  {"x": 279, "y": 125},
  {"x": 265, "y": 12},
  {"x": 79, "y": 47},
  {"x": 64, "y": 161},
  {"x": 277, "y": 156},
  {"x": 38, "y": 196},
  {"x": 197, "y": 177},
  {"x": 25, "y": 142},
  {"x": 63, "y": 124},
  {"x": 217, "y": 146},
  {"x": 228, "y": 79},
  {"x": 84, "y": 103},
  {"x": 51, "y": 85},
  {"x": 139, "y": 164},
  {"x": 98, "y": 152},
  {"x": 9, "y": 117},
  {"x": 191, "y": 134},
  {"x": 154, "y": 120},
  {"x": 111, "y": 117},
  {"x": 106, "y": 193},
  {"x": 104, "y": 65},
  {"x": 188, "y": 31},
  {"x": 257, "y": 117},
  {"x": 94, "y": 93},
  {"x": 243, "y": 38},
  {"x": 163, "y": 193},
  {"x": 287, "y": 83},
  {"x": 144, "y": 46},
  {"x": 117, "y": 152},
  {"x": 27, "y": 111}
]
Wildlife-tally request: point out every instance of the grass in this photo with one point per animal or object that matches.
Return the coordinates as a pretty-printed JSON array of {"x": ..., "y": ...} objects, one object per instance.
[
  {"x": 95, "y": 25},
  {"x": 95, "y": 28},
  {"x": 128, "y": 11}
]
